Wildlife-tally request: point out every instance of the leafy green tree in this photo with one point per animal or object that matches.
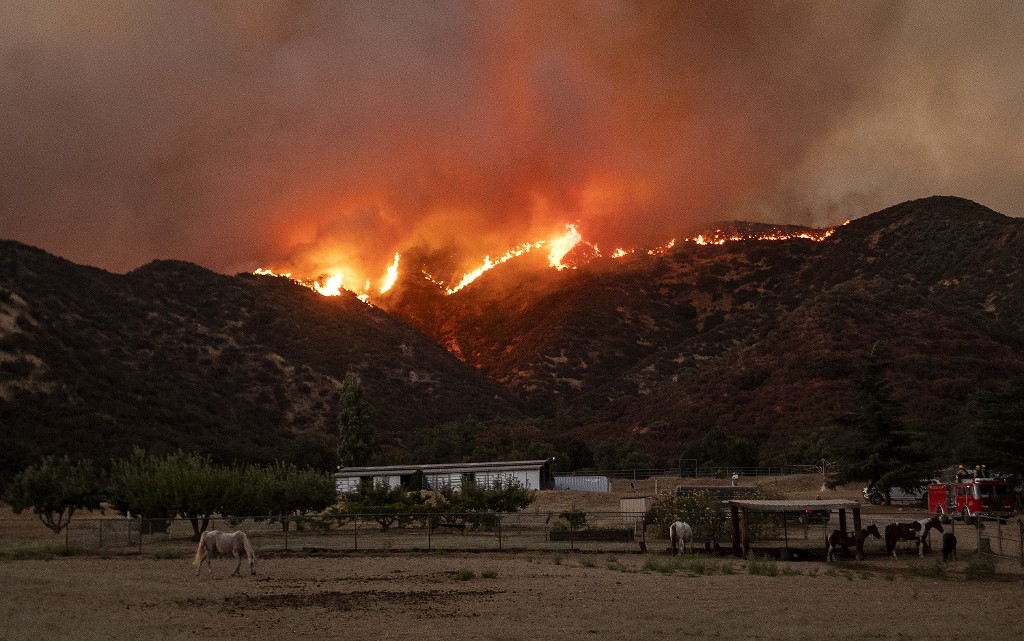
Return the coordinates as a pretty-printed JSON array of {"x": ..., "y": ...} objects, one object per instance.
[
  {"x": 702, "y": 510},
  {"x": 386, "y": 504},
  {"x": 55, "y": 489},
  {"x": 502, "y": 495},
  {"x": 279, "y": 491},
  {"x": 875, "y": 446},
  {"x": 199, "y": 487},
  {"x": 356, "y": 438},
  {"x": 244, "y": 496},
  {"x": 706, "y": 514},
  {"x": 478, "y": 505},
  {"x": 140, "y": 484}
]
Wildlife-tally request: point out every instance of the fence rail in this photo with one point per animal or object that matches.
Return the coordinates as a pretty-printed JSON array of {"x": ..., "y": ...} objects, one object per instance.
[
  {"x": 587, "y": 531},
  {"x": 611, "y": 531},
  {"x": 689, "y": 470}
]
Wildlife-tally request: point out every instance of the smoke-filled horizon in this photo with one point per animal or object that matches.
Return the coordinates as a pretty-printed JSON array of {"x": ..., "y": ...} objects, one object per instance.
[{"x": 310, "y": 135}]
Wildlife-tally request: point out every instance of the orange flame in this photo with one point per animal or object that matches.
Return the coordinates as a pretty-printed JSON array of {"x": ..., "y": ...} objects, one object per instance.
[
  {"x": 332, "y": 283},
  {"x": 331, "y": 286},
  {"x": 563, "y": 245},
  {"x": 559, "y": 248},
  {"x": 390, "y": 277}
]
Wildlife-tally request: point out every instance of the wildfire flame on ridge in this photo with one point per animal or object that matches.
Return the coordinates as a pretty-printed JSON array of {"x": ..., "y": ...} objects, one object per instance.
[
  {"x": 331, "y": 284},
  {"x": 559, "y": 247}
]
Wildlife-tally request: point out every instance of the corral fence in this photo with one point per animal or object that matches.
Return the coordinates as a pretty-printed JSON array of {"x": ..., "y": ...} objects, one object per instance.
[
  {"x": 688, "y": 469},
  {"x": 792, "y": 531},
  {"x": 618, "y": 532},
  {"x": 594, "y": 531}
]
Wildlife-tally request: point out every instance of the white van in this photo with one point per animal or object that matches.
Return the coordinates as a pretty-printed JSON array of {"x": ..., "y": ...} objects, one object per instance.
[{"x": 877, "y": 495}]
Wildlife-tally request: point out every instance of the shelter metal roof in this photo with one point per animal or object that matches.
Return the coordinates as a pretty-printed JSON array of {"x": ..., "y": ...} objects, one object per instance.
[
  {"x": 792, "y": 505},
  {"x": 434, "y": 468}
]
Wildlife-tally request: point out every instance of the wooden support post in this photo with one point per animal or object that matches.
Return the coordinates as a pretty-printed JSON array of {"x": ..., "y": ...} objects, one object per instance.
[
  {"x": 737, "y": 548},
  {"x": 745, "y": 532},
  {"x": 842, "y": 521},
  {"x": 857, "y": 532}
]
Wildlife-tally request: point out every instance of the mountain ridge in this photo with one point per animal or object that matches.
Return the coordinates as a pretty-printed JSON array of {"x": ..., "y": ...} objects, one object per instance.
[{"x": 759, "y": 340}]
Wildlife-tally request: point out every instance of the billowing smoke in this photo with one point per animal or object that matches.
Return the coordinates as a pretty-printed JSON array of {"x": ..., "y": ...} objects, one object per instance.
[{"x": 328, "y": 135}]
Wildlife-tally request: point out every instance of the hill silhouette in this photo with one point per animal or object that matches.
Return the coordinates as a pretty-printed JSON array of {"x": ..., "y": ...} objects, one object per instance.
[
  {"x": 174, "y": 356},
  {"x": 760, "y": 341}
]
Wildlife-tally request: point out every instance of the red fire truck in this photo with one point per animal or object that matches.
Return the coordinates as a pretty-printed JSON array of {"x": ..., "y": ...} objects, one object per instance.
[{"x": 972, "y": 497}]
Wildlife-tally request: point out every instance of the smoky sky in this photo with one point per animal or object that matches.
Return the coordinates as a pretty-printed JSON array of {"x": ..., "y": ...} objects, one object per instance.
[{"x": 311, "y": 134}]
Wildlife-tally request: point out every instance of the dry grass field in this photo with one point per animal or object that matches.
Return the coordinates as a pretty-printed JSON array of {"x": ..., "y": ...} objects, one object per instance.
[{"x": 513, "y": 596}]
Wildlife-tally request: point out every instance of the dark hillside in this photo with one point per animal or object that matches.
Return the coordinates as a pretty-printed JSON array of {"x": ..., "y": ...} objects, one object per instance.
[
  {"x": 174, "y": 356},
  {"x": 759, "y": 340}
]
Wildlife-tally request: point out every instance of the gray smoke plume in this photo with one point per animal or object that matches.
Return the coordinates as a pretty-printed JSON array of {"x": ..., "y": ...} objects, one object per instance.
[{"x": 311, "y": 134}]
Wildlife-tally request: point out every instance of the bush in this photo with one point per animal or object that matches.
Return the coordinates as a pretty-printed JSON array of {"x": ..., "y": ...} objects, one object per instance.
[
  {"x": 576, "y": 519},
  {"x": 762, "y": 566},
  {"x": 980, "y": 567},
  {"x": 934, "y": 570}
]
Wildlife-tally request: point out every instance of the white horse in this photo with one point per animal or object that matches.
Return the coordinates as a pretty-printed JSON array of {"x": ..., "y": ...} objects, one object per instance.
[
  {"x": 680, "y": 532},
  {"x": 213, "y": 542}
]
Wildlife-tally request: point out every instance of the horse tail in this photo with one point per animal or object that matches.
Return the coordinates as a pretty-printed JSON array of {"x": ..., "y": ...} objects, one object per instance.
[
  {"x": 198, "y": 559},
  {"x": 249, "y": 551}
]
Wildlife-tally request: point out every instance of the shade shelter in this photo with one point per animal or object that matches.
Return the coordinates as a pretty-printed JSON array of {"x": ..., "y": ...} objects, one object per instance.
[{"x": 740, "y": 508}]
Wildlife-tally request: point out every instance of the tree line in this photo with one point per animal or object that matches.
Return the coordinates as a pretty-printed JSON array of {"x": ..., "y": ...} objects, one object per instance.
[{"x": 157, "y": 489}]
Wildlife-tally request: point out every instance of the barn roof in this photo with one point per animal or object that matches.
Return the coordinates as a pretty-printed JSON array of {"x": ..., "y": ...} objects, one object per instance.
[
  {"x": 441, "y": 468},
  {"x": 792, "y": 505}
]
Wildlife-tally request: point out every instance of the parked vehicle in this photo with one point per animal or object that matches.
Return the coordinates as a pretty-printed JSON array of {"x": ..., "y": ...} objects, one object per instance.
[
  {"x": 876, "y": 495},
  {"x": 809, "y": 517},
  {"x": 969, "y": 498}
]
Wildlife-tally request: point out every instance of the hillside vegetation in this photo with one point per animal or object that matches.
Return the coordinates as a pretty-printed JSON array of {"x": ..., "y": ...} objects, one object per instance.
[
  {"x": 173, "y": 356},
  {"x": 737, "y": 353}
]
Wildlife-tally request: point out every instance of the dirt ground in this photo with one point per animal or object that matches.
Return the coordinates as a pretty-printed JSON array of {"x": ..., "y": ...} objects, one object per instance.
[{"x": 513, "y": 596}]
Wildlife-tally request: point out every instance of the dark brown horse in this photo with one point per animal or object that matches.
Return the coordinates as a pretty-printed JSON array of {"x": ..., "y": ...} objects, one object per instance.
[
  {"x": 840, "y": 539},
  {"x": 916, "y": 531}
]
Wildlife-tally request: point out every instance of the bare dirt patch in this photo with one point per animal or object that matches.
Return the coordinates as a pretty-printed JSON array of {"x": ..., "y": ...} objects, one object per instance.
[
  {"x": 516, "y": 596},
  {"x": 503, "y": 596}
]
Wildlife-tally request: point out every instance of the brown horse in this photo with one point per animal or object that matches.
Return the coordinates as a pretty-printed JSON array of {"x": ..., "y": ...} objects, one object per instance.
[
  {"x": 213, "y": 542},
  {"x": 843, "y": 540},
  {"x": 917, "y": 531}
]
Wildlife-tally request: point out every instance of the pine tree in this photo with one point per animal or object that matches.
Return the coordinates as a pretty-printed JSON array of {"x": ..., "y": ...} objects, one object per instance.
[
  {"x": 876, "y": 447},
  {"x": 356, "y": 439}
]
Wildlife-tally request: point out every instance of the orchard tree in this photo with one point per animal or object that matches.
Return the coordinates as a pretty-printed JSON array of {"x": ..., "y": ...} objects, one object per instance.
[
  {"x": 386, "y": 504},
  {"x": 55, "y": 489},
  {"x": 199, "y": 487},
  {"x": 356, "y": 439},
  {"x": 478, "y": 504},
  {"x": 279, "y": 491},
  {"x": 141, "y": 484}
]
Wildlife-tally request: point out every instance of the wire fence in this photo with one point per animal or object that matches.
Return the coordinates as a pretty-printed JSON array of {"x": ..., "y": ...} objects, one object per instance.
[
  {"x": 617, "y": 532},
  {"x": 687, "y": 468},
  {"x": 986, "y": 535},
  {"x": 382, "y": 532}
]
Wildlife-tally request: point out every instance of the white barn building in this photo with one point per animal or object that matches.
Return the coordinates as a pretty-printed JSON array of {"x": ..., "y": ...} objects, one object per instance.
[{"x": 533, "y": 475}]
